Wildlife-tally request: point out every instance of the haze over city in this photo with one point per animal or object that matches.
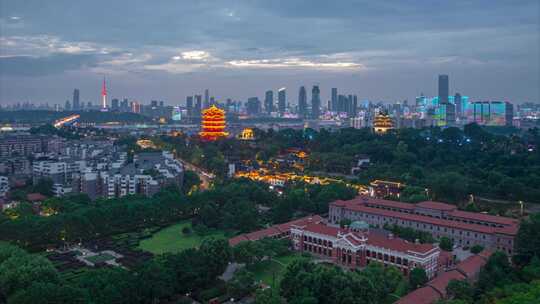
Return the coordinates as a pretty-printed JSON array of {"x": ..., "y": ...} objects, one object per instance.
[{"x": 379, "y": 50}]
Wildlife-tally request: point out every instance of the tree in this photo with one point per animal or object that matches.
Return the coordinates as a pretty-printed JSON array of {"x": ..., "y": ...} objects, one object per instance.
[
  {"x": 242, "y": 284},
  {"x": 191, "y": 180},
  {"x": 248, "y": 252},
  {"x": 44, "y": 186},
  {"x": 417, "y": 278},
  {"x": 528, "y": 240},
  {"x": 497, "y": 272},
  {"x": 476, "y": 249},
  {"x": 446, "y": 244},
  {"x": 45, "y": 293},
  {"x": 217, "y": 254},
  {"x": 19, "y": 271},
  {"x": 460, "y": 290},
  {"x": 155, "y": 281},
  {"x": 267, "y": 296}
]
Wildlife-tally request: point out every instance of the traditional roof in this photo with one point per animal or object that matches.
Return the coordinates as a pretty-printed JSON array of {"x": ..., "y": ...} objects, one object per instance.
[
  {"x": 361, "y": 204},
  {"x": 424, "y": 295},
  {"x": 441, "y": 281},
  {"x": 436, "y": 206},
  {"x": 35, "y": 197},
  {"x": 470, "y": 267}
]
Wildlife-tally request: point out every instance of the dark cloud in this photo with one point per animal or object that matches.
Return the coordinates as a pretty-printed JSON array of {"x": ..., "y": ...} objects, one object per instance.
[
  {"x": 414, "y": 39},
  {"x": 39, "y": 66}
]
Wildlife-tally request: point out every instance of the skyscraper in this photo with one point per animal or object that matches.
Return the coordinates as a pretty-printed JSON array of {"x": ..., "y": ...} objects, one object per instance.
[
  {"x": 115, "y": 104},
  {"x": 189, "y": 106},
  {"x": 253, "y": 106},
  {"x": 76, "y": 101},
  {"x": 198, "y": 105},
  {"x": 315, "y": 102},
  {"x": 443, "y": 89},
  {"x": 459, "y": 105},
  {"x": 302, "y": 102},
  {"x": 333, "y": 103},
  {"x": 269, "y": 101},
  {"x": 206, "y": 103},
  {"x": 104, "y": 95},
  {"x": 282, "y": 100}
]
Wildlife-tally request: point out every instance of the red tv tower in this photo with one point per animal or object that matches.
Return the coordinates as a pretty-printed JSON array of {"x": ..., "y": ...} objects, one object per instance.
[{"x": 104, "y": 95}]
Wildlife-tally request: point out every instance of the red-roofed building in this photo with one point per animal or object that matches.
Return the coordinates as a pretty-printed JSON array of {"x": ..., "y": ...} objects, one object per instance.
[
  {"x": 35, "y": 197},
  {"x": 435, "y": 289},
  {"x": 438, "y": 219},
  {"x": 357, "y": 248}
]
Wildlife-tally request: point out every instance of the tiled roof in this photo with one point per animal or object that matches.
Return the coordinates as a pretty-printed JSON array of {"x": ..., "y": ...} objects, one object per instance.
[
  {"x": 320, "y": 228},
  {"x": 273, "y": 230},
  {"x": 398, "y": 244},
  {"x": 470, "y": 267},
  {"x": 441, "y": 281},
  {"x": 424, "y": 295},
  {"x": 436, "y": 206},
  {"x": 359, "y": 205},
  {"x": 484, "y": 217},
  {"x": 36, "y": 197}
]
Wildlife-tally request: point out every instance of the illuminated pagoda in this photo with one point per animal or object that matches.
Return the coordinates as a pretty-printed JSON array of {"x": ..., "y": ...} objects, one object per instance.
[
  {"x": 247, "y": 134},
  {"x": 213, "y": 123},
  {"x": 382, "y": 123}
]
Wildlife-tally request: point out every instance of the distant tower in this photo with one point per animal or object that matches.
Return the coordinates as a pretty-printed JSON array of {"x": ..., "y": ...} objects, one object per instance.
[
  {"x": 104, "y": 95},
  {"x": 302, "y": 102},
  {"x": 282, "y": 100},
  {"x": 76, "y": 100},
  {"x": 315, "y": 102},
  {"x": 269, "y": 101},
  {"x": 333, "y": 103},
  {"x": 443, "y": 89}
]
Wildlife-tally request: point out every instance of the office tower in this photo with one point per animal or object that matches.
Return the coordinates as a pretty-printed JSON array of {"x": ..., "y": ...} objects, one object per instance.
[
  {"x": 334, "y": 101},
  {"x": 198, "y": 105},
  {"x": 354, "y": 109},
  {"x": 315, "y": 102},
  {"x": 67, "y": 106},
  {"x": 443, "y": 89},
  {"x": 206, "y": 99},
  {"x": 282, "y": 100},
  {"x": 459, "y": 105},
  {"x": 161, "y": 104},
  {"x": 302, "y": 102},
  {"x": 212, "y": 101},
  {"x": 189, "y": 106},
  {"x": 124, "y": 105},
  {"x": 76, "y": 101},
  {"x": 253, "y": 106},
  {"x": 104, "y": 95},
  {"x": 269, "y": 101},
  {"x": 154, "y": 103},
  {"x": 115, "y": 104},
  {"x": 89, "y": 105}
]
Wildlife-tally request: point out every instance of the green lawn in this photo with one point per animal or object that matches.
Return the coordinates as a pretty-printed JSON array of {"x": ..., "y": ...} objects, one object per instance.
[
  {"x": 270, "y": 272},
  {"x": 171, "y": 239},
  {"x": 100, "y": 258}
]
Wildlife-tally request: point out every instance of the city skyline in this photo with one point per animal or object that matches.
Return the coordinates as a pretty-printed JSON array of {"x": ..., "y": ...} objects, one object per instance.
[{"x": 378, "y": 51}]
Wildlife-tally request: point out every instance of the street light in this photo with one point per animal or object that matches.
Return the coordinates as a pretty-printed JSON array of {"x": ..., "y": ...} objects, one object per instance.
[{"x": 521, "y": 207}]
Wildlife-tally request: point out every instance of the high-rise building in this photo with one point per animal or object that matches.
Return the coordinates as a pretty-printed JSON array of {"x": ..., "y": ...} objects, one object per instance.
[
  {"x": 198, "y": 106},
  {"x": 334, "y": 102},
  {"x": 443, "y": 89},
  {"x": 206, "y": 103},
  {"x": 302, "y": 102},
  {"x": 76, "y": 100},
  {"x": 104, "y": 95},
  {"x": 189, "y": 106},
  {"x": 67, "y": 106},
  {"x": 459, "y": 105},
  {"x": 115, "y": 104},
  {"x": 124, "y": 105},
  {"x": 282, "y": 100},
  {"x": 269, "y": 101},
  {"x": 253, "y": 106},
  {"x": 493, "y": 113},
  {"x": 315, "y": 102}
]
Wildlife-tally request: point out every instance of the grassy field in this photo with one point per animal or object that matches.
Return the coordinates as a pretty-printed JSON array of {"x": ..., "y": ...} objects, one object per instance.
[
  {"x": 270, "y": 272},
  {"x": 171, "y": 239}
]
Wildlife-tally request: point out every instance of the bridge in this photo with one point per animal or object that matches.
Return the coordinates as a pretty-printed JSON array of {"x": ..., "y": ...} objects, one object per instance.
[{"x": 66, "y": 120}]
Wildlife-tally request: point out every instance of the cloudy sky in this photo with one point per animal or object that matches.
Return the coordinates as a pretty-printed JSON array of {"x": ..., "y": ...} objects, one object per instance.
[{"x": 380, "y": 50}]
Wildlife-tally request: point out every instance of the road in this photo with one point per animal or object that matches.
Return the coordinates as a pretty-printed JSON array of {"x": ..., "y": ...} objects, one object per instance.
[{"x": 205, "y": 177}]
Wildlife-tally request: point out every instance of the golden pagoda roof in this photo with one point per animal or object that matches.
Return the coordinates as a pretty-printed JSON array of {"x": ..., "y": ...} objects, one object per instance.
[{"x": 213, "y": 110}]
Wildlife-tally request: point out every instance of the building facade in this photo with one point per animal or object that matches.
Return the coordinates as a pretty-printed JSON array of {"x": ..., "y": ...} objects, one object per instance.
[{"x": 438, "y": 219}]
